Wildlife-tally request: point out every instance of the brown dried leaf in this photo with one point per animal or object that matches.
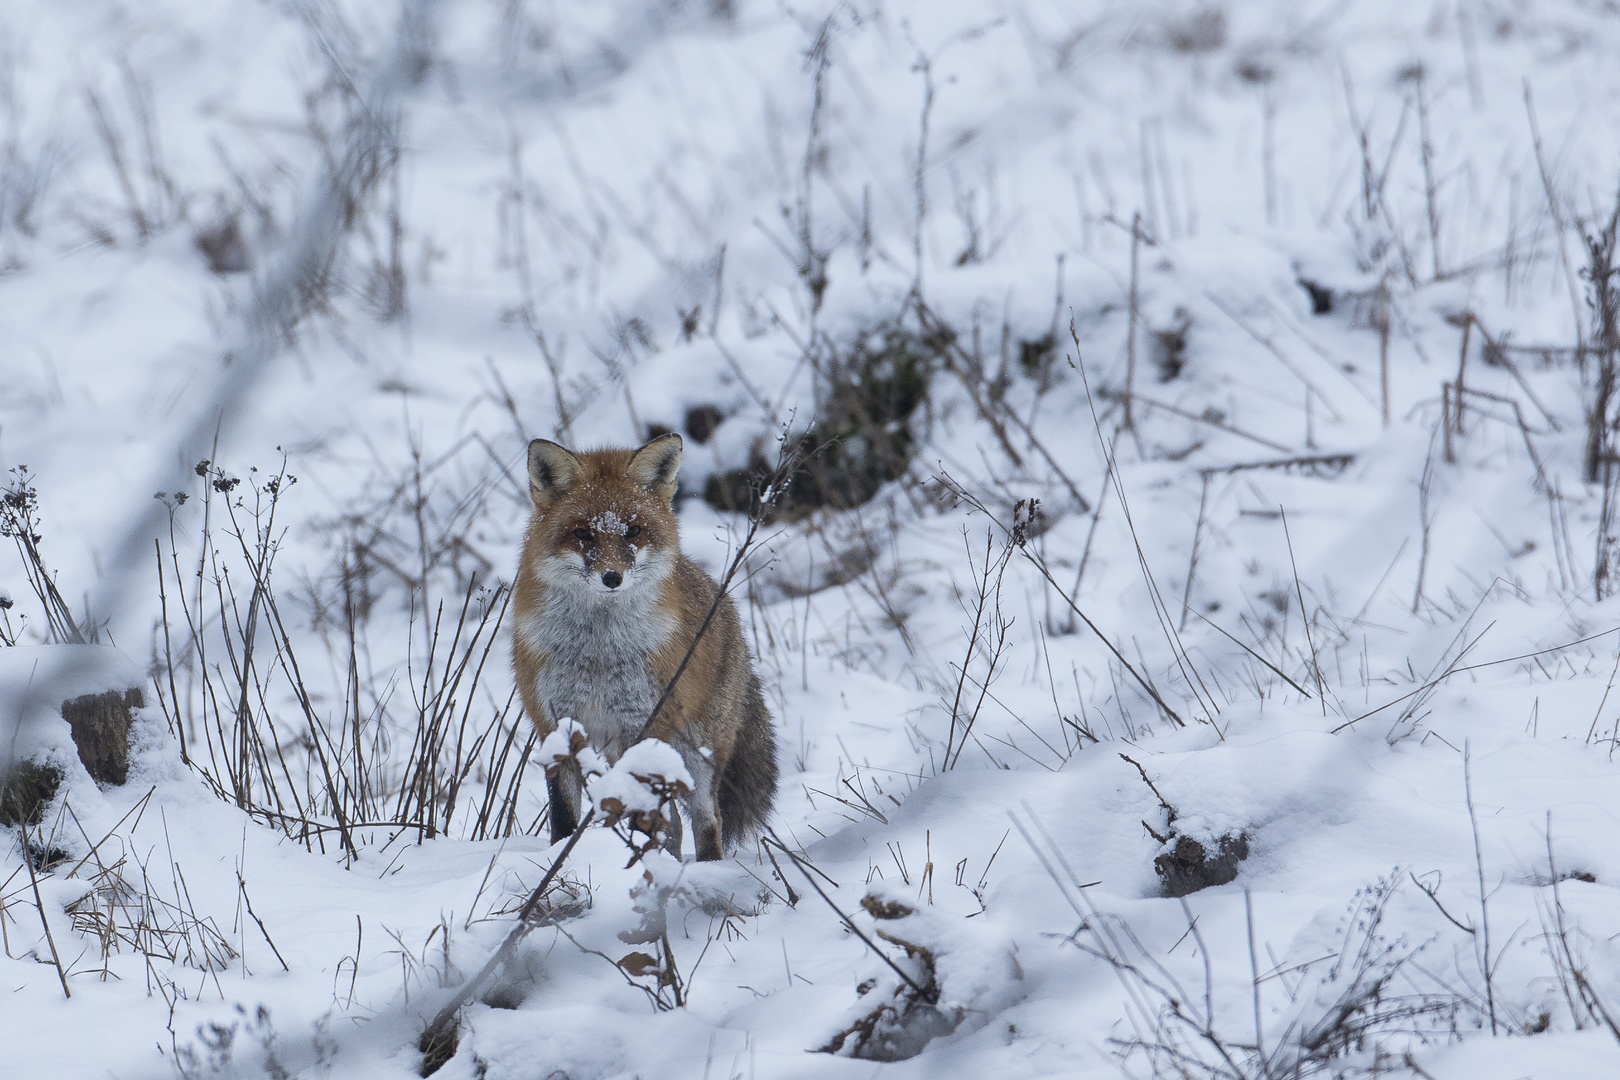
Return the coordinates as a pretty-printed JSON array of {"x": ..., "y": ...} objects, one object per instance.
[{"x": 639, "y": 964}]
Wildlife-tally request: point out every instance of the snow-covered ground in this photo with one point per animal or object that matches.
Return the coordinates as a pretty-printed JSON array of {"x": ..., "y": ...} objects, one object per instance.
[{"x": 1279, "y": 590}]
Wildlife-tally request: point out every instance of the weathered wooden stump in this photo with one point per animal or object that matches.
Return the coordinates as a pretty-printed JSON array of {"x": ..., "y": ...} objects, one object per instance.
[{"x": 100, "y": 724}]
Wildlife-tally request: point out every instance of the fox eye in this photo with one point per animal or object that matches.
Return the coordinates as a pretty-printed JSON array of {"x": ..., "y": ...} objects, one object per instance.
[
  {"x": 582, "y": 535},
  {"x": 632, "y": 532}
]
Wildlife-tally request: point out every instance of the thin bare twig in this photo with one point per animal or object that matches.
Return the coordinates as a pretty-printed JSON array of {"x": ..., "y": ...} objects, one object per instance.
[{"x": 440, "y": 1034}]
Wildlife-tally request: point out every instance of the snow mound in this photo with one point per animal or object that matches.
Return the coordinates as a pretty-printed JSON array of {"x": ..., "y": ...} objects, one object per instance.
[{"x": 642, "y": 780}]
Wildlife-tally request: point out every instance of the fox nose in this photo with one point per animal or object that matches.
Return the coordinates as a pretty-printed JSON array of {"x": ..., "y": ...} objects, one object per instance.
[{"x": 612, "y": 579}]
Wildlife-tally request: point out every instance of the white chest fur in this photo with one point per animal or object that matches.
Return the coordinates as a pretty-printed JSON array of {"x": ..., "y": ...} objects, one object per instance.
[{"x": 598, "y": 649}]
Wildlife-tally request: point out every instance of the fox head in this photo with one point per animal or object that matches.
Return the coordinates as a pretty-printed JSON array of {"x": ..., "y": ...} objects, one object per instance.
[{"x": 603, "y": 520}]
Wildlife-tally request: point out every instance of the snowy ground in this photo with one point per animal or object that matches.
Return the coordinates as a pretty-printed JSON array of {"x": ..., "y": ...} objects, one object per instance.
[{"x": 379, "y": 249}]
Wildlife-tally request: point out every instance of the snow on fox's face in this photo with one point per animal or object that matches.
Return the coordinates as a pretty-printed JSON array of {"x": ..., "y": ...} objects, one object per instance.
[
  {"x": 600, "y": 527},
  {"x": 608, "y": 551}
]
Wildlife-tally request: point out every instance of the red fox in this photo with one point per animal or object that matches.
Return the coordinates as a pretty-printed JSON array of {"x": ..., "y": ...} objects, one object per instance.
[{"x": 607, "y": 609}]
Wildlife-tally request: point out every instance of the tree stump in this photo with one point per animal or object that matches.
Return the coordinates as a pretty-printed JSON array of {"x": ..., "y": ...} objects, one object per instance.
[{"x": 100, "y": 724}]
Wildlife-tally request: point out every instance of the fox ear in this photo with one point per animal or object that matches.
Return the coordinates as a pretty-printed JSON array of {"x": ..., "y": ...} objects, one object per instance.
[
  {"x": 656, "y": 465},
  {"x": 552, "y": 469}
]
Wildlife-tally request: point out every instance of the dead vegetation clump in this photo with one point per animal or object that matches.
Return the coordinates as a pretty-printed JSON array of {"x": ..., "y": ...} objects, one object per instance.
[
  {"x": 126, "y": 905},
  {"x": 125, "y": 911},
  {"x": 28, "y": 788},
  {"x": 1199, "y": 29},
  {"x": 1358, "y": 1010},
  {"x": 1187, "y": 864},
  {"x": 903, "y": 1015},
  {"x": 861, "y": 436}
]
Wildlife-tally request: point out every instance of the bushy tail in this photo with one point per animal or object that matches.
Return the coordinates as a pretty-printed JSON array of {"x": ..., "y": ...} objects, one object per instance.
[{"x": 748, "y": 785}]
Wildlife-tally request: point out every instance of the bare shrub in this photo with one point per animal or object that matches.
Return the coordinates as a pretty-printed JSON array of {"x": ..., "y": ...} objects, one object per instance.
[
  {"x": 29, "y": 163},
  {"x": 128, "y": 905},
  {"x": 133, "y": 148},
  {"x": 1355, "y": 1012},
  {"x": 861, "y": 437},
  {"x": 1602, "y": 376},
  {"x": 250, "y": 1047},
  {"x": 235, "y": 693},
  {"x": 19, "y": 520},
  {"x": 987, "y": 641}
]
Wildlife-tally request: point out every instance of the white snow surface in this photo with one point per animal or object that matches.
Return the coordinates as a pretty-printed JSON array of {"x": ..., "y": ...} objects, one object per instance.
[{"x": 1384, "y": 646}]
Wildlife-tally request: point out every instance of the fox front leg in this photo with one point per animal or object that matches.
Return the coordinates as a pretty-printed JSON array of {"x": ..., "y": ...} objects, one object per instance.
[{"x": 564, "y": 789}]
